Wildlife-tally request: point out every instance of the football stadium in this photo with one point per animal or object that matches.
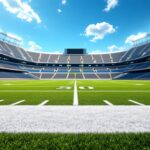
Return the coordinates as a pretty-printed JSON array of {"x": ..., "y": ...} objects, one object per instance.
[{"x": 76, "y": 98}]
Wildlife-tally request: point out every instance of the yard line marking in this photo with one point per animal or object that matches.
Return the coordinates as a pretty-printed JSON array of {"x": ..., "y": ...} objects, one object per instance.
[
  {"x": 117, "y": 91},
  {"x": 96, "y": 91},
  {"x": 75, "y": 96},
  {"x": 17, "y": 103},
  {"x": 34, "y": 91},
  {"x": 90, "y": 87},
  {"x": 1, "y": 100},
  {"x": 43, "y": 103},
  {"x": 135, "y": 102},
  {"x": 108, "y": 103}
]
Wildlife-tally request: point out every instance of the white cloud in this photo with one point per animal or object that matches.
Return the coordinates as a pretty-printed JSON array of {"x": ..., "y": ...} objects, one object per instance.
[
  {"x": 111, "y": 4},
  {"x": 21, "y": 9},
  {"x": 99, "y": 31},
  {"x": 33, "y": 46},
  {"x": 96, "y": 52},
  {"x": 115, "y": 48},
  {"x": 55, "y": 52},
  {"x": 111, "y": 49},
  {"x": 1, "y": 30},
  {"x": 59, "y": 10},
  {"x": 64, "y": 2},
  {"x": 132, "y": 38},
  {"x": 12, "y": 35},
  {"x": 15, "y": 36}
]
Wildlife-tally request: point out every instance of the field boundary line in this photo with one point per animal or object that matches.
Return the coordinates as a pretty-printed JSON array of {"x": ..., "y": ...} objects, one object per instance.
[
  {"x": 108, "y": 103},
  {"x": 75, "y": 120},
  {"x": 135, "y": 102},
  {"x": 42, "y": 91},
  {"x": 116, "y": 91},
  {"x": 75, "y": 96},
  {"x": 13, "y": 104},
  {"x": 43, "y": 103}
]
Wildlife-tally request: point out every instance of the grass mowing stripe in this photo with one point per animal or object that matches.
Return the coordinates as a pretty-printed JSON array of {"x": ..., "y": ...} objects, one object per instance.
[
  {"x": 33, "y": 91},
  {"x": 119, "y": 92},
  {"x": 88, "y": 98},
  {"x": 115, "y": 91},
  {"x": 35, "y": 98}
]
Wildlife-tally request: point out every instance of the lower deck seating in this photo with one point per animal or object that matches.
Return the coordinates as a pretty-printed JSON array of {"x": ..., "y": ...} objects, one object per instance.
[
  {"x": 90, "y": 76},
  {"x": 37, "y": 75},
  {"x": 79, "y": 76},
  {"x": 71, "y": 76},
  {"x": 47, "y": 75},
  {"x": 136, "y": 76},
  {"x": 104, "y": 76},
  {"x": 60, "y": 76},
  {"x": 15, "y": 75}
]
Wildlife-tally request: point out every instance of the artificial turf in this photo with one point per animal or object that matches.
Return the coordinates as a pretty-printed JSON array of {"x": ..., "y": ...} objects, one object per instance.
[
  {"x": 117, "y": 92},
  {"x": 35, "y": 92},
  {"x": 41, "y": 141},
  {"x": 60, "y": 92}
]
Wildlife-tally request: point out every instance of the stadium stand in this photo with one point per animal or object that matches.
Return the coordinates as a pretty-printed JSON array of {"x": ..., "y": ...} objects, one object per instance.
[
  {"x": 15, "y": 75},
  {"x": 131, "y": 64}
]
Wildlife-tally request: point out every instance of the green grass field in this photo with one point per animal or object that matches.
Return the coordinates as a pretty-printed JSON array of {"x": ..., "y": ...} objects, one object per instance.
[
  {"x": 60, "y": 92},
  {"x": 75, "y": 141}
]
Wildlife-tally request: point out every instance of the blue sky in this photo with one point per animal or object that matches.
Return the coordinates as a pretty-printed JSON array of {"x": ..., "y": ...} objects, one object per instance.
[{"x": 97, "y": 25}]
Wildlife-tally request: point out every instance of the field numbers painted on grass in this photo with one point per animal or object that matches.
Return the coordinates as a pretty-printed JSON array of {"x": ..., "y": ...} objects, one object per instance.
[
  {"x": 80, "y": 87},
  {"x": 86, "y": 88},
  {"x": 64, "y": 88}
]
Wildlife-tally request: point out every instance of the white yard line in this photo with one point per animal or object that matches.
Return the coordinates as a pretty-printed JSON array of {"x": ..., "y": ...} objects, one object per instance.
[
  {"x": 17, "y": 103},
  {"x": 1, "y": 100},
  {"x": 44, "y": 103},
  {"x": 30, "y": 91},
  {"x": 135, "y": 102},
  {"x": 92, "y": 91},
  {"x": 75, "y": 96},
  {"x": 117, "y": 91},
  {"x": 108, "y": 103},
  {"x": 81, "y": 119}
]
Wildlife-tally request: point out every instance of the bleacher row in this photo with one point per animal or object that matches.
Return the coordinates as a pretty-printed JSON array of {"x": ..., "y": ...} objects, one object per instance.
[
  {"x": 20, "y": 53},
  {"x": 75, "y": 76},
  {"x": 110, "y": 76},
  {"x": 17, "y": 69},
  {"x": 119, "y": 72},
  {"x": 15, "y": 75}
]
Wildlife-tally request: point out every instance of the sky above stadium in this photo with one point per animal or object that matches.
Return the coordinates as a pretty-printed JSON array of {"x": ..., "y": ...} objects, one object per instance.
[{"x": 100, "y": 26}]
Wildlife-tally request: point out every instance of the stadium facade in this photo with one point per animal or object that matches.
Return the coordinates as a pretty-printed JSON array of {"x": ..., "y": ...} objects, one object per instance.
[{"x": 16, "y": 62}]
